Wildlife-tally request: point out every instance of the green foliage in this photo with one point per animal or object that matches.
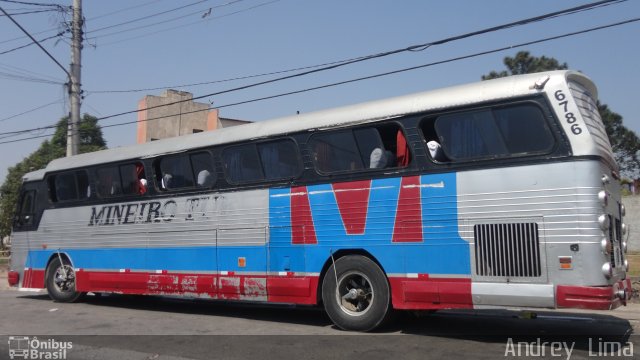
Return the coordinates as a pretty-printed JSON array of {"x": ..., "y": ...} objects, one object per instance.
[
  {"x": 524, "y": 63},
  {"x": 90, "y": 140},
  {"x": 624, "y": 142}
]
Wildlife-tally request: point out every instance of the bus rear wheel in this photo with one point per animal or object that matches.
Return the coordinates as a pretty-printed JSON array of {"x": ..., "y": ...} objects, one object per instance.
[
  {"x": 60, "y": 281},
  {"x": 355, "y": 293}
]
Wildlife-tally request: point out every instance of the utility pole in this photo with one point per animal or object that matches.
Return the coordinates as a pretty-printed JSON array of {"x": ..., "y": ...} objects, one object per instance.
[{"x": 75, "y": 92}]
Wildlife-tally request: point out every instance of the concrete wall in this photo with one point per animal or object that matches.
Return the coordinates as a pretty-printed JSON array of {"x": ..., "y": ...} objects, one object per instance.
[
  {"x": 632, "y": 219},
  {"x": 173, "y": 120}
]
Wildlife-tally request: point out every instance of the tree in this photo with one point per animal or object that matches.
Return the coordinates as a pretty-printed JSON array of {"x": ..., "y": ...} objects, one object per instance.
[
  {"x": 624, "y": 142},
  {"x": 90, "y": 140},
  {"x": 524, "y": 63}
]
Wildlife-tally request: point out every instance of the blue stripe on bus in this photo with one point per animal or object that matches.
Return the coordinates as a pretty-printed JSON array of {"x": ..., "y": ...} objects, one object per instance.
[{"x": 441, "y": 252}]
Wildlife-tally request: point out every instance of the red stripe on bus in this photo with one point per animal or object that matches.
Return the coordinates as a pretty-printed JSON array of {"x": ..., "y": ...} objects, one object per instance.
[
  {"x": 353, "y": 201},
  {"x": 302, "y": 228},
  {"x": 425, "y": 293},
  {"x": 408, "y": 224},
  {"x": 295, "y": 290}
]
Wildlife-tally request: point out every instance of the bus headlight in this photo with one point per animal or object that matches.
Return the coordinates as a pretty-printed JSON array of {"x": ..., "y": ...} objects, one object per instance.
[
  {"x": 603, "y": 220},
  {"x": 605, "y": 179},
  {"x": 624, "y": 246},
  {"x": 607, "y": 271},
  {"x": 624, "y": 229},
  {"x": 604, "y": 198},
  {"x": 623, "y": 210},
  {"x": 626, "y": 266},
  {"x": 605, "y": 245}
]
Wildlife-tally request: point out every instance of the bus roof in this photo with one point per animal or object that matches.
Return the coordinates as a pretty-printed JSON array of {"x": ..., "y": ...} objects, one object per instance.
[{"x": 477, "y": 92}]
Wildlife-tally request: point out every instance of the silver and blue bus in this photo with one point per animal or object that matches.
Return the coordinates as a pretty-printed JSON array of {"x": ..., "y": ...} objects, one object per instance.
[{"x": 501, "y": 193}]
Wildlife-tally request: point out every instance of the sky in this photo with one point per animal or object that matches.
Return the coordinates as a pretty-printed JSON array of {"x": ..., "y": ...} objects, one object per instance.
[{"x": 143, "y": 44}]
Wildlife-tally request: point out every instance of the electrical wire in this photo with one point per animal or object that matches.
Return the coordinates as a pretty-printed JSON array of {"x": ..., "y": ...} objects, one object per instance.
[
  {"x": 359, "y": 59},
  {"x": 119, "y": 41},
  {"x": 28, "y": 73},
  {"x": 148, "y": 16},
  {"x": 375, "y": 56},
  {"x": 459, "y": 58},
  {"x": 123, "y": 10},
  {"x": 413, "y": 48},
  {"x": 33, "y": 43},
  {"x": 31, "y": 110},
  {"x": 30, "y": 12}
]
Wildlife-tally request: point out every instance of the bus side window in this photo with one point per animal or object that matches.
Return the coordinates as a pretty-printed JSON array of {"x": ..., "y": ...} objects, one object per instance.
[
  {"x": 203, "y": 173},
  {"x": 383, "y": 146},
  {"x": 335, "y": 152},
  {"x": 432, "y": 141},
  {"x": 176, "y": 172},
  {"x": 24, "y": 215},
  {"x": 506, "y": 131},
  {"x": 108, "y": 183},
  {"x": 280, "y": 159},
  {"x": 67, "y": 186},
  {"x": 241, "y": 164},
  {"x": 132, "y": 176}
]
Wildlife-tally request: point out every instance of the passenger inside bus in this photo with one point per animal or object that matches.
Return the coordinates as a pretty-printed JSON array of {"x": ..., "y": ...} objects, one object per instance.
[
  {"x": 204, "y": 178},
  {"x": 435, "y": 150}
]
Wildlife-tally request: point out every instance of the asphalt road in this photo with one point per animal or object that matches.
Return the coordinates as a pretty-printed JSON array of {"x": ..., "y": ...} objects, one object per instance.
[{"x": 150, "y": 328}]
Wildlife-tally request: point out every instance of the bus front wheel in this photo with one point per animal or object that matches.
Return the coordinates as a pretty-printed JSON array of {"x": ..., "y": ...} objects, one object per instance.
[
  {"x": 61, "y": 281},
  {"x": 355, "y": 293}
]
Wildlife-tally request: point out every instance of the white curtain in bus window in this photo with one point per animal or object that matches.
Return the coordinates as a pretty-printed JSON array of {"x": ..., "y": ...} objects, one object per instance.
[{"x": 279, "y": 159}]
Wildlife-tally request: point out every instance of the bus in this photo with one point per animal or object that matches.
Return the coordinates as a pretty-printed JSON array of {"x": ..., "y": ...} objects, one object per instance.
[{"x": 501, "y": 193}]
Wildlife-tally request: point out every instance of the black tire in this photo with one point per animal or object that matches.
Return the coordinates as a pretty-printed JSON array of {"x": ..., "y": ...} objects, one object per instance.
[
  {"x": 59, "y": 288},
  {"x": 361, "y": 301}
]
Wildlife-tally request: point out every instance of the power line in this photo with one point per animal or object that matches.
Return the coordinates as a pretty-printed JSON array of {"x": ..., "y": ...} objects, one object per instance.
[
  {"x": 31, "y": 110},
  {"x": 14, "y": 70},
  {"x": 93, "y": 18},
  {"x": 412, "y": 48},
  {"x": 367, "y": 57},
  {"x": 16, "y": 77},
  {"x": 148, "y": 16},
  {"x": 420, "y": 47},
  {"x": 32, "y": 3},
  {"x": 31, "y": 12},
  {"x": 509, "y": 47},
  {"x": 35, "y": 41},
  {"x": 119, "y": 41},
  {"x": 122, "y": 10},
  {"x": 32, "y": 43}
]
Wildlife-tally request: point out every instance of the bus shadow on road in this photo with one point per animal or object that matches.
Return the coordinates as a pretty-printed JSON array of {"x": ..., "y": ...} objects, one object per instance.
[
  {"x": 303, "y": 315},
  {"x": 586, "y": 331}
]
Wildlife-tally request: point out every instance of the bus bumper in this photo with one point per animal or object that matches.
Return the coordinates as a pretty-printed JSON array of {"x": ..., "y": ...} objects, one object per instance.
[{"x": 594, "y": 297}]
